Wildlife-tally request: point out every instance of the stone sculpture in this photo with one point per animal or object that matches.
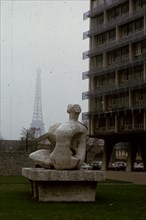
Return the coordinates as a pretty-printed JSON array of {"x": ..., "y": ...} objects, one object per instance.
[
  {"x": 69, "y": 139},
  {"x": 60, "y": 178}
]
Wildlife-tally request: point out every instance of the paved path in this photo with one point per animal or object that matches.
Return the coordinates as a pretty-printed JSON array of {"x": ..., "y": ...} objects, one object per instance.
[{"x": 134, "y": 177}]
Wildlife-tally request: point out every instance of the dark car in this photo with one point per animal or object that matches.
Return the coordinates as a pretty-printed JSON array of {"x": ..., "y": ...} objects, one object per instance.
[
  {"x": 118, "y": 165},
  {"x": 96, "y": 165}
]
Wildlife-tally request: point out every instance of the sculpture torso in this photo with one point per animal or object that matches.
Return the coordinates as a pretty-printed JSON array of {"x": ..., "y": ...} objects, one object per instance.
[
  {"x": 69, "y": 137},
  {"x": 70, "y": 144}
]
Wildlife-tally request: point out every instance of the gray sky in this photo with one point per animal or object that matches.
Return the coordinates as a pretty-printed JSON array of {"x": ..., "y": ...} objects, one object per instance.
[{"x": 45, "y": 34}]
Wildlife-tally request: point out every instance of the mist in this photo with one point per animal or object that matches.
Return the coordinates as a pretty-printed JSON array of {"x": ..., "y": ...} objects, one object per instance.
[{"x": 45, "y": 35}]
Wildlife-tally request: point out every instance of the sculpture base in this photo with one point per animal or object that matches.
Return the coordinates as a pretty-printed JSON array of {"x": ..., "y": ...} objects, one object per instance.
[{"x": 63, "y": 185}]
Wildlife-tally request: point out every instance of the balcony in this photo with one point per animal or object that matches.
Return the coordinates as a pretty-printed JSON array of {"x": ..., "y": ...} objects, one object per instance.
[
  {"x": 123, "y": 64},
  {"x": 139, "y": 126},
  {"x": 126, "y": 127},
  {"x": 113, "y": 23},
  {"x": 122, "y": 128},
  {"x": 100, "y": 8},
  {"x": 113, "y": 45},
  {"x": 115, "y": 89}
]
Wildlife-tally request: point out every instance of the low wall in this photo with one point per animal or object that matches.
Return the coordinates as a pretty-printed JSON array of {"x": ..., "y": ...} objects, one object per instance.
[
  {"x": 11, "y": 163},
  {"x": 13, "y": 157}
]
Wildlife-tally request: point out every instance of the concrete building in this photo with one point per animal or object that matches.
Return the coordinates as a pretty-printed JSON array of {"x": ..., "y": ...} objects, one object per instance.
[{"x": 117, "y": 75}]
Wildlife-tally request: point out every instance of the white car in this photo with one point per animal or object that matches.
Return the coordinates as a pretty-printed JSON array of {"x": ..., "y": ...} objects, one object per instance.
[{"x": 86, "y": 166}]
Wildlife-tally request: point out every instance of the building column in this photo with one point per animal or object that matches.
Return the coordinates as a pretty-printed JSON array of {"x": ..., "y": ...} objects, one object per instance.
[
  {"x": 117, "y": 33},
  {"x": 144, "y": 22},
  {"x": 104, "y": 103},
  {"x": 116, "y": 123},
  {"x": 116, "y": 78},
  {"x": 130, "y": 98},
  {"x": 92, "y": 127},
  {"x": 130, "y": 51},
  {"x": 108, "y": 148},
  {"x": 132, "y": 151},
  {"x": 144, "y": 120},
  {"x": 144, "y": 71},
  {"x": 130, "y": 6},
  {"x": 104, "y": 59},
  {"x": 105, "y": 17}
]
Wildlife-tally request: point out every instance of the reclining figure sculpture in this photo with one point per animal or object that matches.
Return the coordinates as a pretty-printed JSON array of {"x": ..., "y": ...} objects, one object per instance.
[{"x": 69, "y": 139}]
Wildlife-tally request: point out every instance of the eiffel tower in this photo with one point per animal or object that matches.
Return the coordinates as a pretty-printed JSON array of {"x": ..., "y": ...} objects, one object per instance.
[{"x": 37, "y": 120}]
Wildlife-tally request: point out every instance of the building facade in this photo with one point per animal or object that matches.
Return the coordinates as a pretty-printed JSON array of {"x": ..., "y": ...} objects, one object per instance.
[{"x": 117, "y": 74}]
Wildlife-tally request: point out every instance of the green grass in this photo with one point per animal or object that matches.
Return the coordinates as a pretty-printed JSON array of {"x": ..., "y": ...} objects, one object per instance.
[{"x": 115, "y": 201}]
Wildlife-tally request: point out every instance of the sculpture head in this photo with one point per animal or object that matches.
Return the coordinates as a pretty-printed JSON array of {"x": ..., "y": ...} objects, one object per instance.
[
  {"x": 74, "y": 111},
  {"x": 73, "y": 108}
]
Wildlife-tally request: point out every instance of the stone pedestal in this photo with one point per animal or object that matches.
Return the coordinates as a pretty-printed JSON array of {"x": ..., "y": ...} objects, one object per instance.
[{"x": 63, "y": 185}]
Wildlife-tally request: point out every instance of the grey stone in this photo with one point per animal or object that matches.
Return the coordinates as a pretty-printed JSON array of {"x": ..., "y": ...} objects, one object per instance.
[
  {"x": 69, "y": 139},
  {"x": 63, "y": 185}
]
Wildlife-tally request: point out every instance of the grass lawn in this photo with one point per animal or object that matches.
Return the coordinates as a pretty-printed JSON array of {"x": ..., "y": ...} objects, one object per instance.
[{"x": 115, "y": 201}]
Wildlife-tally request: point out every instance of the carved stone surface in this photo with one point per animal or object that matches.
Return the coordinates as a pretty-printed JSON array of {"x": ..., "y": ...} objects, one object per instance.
[
  {"x": 69, "y": 139},
  {"x": 63, "y": 185},
  {"x": 62, "y": 181}
]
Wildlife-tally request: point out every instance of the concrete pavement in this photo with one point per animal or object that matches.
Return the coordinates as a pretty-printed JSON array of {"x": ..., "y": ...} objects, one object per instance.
[{"x": 134, "y": 177}]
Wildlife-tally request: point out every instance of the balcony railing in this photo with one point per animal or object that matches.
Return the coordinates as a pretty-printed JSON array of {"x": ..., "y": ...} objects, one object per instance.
[
  {"x": 118, "y": 21},
  {"x": 112, "y": 45},
  {"x": 121, "y": 128},
  {"x": 114, "y": 89},
  {"x": 98, "y": 71},
  {"x": 101, "y": 7},
  {"x": 139, "y": 126}
]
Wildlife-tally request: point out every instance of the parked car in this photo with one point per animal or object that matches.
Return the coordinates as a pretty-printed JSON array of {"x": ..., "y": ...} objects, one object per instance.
[
  {"x": 117, "y": 165},
  {"x": 96, "y": 165},
  {"x": 120, "y": 165},
  {"x": 139, "y": 167},
  {"x": 86, "y": 166},
  {"x": 112, "y": 166}
]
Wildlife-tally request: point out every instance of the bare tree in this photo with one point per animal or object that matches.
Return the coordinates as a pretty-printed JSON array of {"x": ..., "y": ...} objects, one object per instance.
[{"x": 28, "y": 136}]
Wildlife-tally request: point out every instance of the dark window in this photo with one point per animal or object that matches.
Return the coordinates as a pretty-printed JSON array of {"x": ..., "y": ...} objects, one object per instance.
[
  {"x": 139, "y": 24},
  {"x": 125, "y": 8}
]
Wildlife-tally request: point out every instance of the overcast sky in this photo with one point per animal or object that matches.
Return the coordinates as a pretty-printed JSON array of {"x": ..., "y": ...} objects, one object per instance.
[{"x": 45, "y": 34}]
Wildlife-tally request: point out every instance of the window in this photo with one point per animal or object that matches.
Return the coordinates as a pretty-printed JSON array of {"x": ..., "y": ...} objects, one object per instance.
[
  {"x": 116, "y": 12},
  {"x": 139, "y": 24},
  {"x": 112, "y": 35},
  {"x": 102, "y": 122},
  {"x": 101, "y": 39},
  {"x": 130, "y": 28},
  {"x": 94, "y": 4},
  {"x": 125, "y": 8},
  {"x": 111, "y": 58},
  {"x": 99, "y": 60},
  {"x": 111, "y": 79},
  {"x": 104, "y": 38},
  {"x": 99, "y": 2},
  {"x": 99, "y": 104},
  {"x": 127, "y": 29},
  {"x": 137, "y": 49},
  {"x": 144, "y": 46},
  {"x": 137, "y": 73},
  {"x": 123, "y": 99},
  {"x": 100, "y": 19},
  {"x": 111, "y": 121},
  {"x": 138, "y": 96},
  {"x": 139, "y": 4},
  {"x": 125, "y": 75},
  {"x": 124, "y": 52}
]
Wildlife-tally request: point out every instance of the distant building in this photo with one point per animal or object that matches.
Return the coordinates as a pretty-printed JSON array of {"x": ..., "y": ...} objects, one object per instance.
[
  {"x": 117, "y": 75},
  {"x": 37, "y": 119}
]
